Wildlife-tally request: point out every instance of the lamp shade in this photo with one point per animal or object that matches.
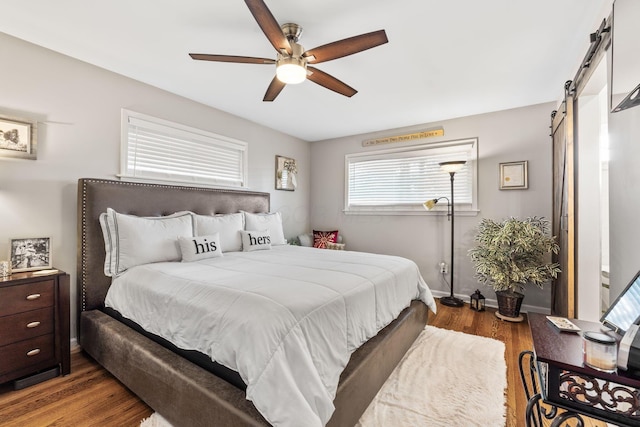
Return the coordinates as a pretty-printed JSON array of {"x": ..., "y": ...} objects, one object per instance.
[
  {"x": 452, "y": 166},
  {"x": 429, "y": 204},
  {"x": 291, "y": 70}
]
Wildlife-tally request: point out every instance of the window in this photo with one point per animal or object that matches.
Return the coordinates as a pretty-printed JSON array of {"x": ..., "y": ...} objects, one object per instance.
[
  {"x": 398, "y": 181},
  {"x": 159, "y": 150}
]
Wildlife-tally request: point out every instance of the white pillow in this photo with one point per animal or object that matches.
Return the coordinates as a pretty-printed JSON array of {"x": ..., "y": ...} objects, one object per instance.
[
  {"x": 306, "y": 239},
  {"x": 200, "y": 247},
  {"x": 271, "y": 222},
  {"x": 229, "y": 227},
  {"x": 255, "y": 240},
  {"x": 131, "y": 240}
]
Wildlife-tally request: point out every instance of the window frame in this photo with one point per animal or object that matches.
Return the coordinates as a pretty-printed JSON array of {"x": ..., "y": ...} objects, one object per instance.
[
  {"x": 221, "y": 141},
  {"x": 462, "y": 209}
]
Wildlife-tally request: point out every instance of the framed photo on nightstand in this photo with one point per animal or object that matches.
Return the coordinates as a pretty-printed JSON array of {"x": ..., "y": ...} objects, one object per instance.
[{"x": 29, "y": 254}]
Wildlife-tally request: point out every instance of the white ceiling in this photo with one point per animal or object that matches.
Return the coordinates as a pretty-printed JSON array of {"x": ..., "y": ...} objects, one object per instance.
[{"x": 444, "y": 59}]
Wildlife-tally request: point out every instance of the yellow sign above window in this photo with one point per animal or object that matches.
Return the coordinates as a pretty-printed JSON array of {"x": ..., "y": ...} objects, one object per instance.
[{"x": 429, "y": 133}]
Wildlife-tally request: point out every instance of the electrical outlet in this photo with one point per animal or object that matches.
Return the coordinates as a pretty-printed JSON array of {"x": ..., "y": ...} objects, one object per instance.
[{"x": 444, "y": 267}]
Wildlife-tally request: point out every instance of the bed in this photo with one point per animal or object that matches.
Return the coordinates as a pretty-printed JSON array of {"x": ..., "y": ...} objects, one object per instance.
[{"x": 175, "y": 385}]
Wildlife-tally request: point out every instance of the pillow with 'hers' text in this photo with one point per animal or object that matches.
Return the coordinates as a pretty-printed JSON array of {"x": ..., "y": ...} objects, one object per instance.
[{"x": 255, "y": 240}]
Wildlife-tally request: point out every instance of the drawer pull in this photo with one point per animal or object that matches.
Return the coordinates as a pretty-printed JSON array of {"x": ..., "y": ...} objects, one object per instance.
[
  {"x": 33, "y": 296},
  {"x": 33, "y": 352},
  {"x": 33, "y": 324}
]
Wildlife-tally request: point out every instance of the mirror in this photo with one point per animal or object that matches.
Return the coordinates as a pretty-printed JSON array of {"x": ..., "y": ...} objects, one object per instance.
[
  {"x": 625, "y": 55},
  {"x": 625, "y": 310}
]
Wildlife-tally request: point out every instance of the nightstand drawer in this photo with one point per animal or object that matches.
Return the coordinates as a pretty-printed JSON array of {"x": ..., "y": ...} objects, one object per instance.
[
  {"x": 29, "y": 324},
  {"x": 27, "y": 353},
  {"x": 31, "y": 296}
]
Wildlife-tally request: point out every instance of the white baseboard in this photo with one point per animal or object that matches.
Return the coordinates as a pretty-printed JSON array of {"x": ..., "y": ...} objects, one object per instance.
[{"x": 494, "y": 303}]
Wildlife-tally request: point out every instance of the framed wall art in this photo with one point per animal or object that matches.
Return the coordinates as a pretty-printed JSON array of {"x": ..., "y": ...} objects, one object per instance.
[
  {"x": 513, "y": 176},
  {"x": 286, "y": 171},
  {"x": 17, "y": 138},
  {"x": 33, "y": 253}
]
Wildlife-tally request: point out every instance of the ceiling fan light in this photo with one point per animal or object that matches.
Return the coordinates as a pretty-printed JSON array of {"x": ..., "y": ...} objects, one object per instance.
[{"x": 291, "y": 70}]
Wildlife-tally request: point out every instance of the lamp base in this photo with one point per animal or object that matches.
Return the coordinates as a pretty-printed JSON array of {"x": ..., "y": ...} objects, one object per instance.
[{"x": 451, "y": 301}]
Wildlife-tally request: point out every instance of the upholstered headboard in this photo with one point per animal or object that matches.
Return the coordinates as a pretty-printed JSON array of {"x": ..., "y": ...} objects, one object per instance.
[{"x": 96, "y": 195}]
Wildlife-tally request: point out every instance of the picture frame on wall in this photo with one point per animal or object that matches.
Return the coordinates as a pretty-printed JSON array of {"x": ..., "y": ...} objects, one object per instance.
[
  {"x": 286, "y": 173},
  {"x": 30, "y": 254},
  {"x": 514, "y": 175},
  {"x": 18, "y": 138}
]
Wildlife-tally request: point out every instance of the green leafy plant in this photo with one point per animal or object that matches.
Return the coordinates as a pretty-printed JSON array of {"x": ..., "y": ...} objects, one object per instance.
[{"x": 514, "y": 252}]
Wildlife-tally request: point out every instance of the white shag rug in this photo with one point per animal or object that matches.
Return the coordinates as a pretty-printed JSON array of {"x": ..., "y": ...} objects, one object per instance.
[
  {"x": 446, "y": 378},
  {"x": 155, "y": 420}
]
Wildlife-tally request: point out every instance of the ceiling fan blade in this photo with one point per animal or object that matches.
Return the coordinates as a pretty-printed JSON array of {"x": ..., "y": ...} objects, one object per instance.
[
  {"x": 269, "y": 25},
  {"x": 346, "y": 47},
  {"x": 231, "y": 58},
  {"x": 330, "y": 82},
  {"x": 273, "y": 90}
]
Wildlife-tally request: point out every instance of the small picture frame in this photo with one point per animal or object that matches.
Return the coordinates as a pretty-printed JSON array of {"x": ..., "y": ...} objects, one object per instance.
[
  {"x": 513, "y": 175},
  {"x": 17, "y": 138},
  {"x": 30, "y": 254},
  {"x": 286, "y": 171}
]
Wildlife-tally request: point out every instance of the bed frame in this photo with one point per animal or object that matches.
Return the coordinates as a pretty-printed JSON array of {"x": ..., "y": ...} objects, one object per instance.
[{"x": 181, "y": 391}]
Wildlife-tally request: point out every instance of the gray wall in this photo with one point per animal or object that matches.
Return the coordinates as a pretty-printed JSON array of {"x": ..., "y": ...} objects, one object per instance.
[
  {"x": 77, "y": 107},
  {"x": 512, "y": 135}
]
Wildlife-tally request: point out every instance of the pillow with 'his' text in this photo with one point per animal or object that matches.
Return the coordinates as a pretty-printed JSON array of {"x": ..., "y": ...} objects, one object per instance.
[{"x": 200, "y": 247}]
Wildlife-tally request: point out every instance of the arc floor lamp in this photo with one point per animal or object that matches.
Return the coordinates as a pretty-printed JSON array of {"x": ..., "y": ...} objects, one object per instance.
[{"x": 451, "y": 167}]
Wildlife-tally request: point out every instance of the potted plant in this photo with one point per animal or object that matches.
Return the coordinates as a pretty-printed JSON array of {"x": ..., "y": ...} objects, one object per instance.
[{"x": 511, "y": 254}]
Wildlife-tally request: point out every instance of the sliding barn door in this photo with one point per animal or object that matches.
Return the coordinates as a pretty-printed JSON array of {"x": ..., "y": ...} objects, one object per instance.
[
  {"x": 563, "y": 289},
  {"x": 565, "y": 145}
]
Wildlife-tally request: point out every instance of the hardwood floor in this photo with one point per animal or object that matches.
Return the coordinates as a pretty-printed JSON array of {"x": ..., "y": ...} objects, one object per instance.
[{"x": 90, "y": 396}]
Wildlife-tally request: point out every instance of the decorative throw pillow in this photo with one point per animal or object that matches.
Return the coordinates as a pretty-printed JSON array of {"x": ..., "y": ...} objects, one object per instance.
[
  {"x": 229, "y": 227},
  {"x": 255, "y": 240},
  {"x": 132, "y": 240},
  {"x": 200, "y": 247},
  {"x": 321, "y": 238},
  {"x": 271, "y": 222}
]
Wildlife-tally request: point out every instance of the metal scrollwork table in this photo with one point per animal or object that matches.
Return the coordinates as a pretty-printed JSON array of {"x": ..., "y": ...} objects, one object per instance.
[{"x": 554, "y": 373}]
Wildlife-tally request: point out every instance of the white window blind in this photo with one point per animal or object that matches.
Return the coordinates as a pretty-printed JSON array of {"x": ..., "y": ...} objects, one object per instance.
[
  {"x": 402, "y": 179},
  {"x": 159, "y": 150}
]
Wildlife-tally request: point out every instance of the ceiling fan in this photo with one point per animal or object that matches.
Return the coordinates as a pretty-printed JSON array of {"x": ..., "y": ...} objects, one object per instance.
[{"x": 292, "y": 60}]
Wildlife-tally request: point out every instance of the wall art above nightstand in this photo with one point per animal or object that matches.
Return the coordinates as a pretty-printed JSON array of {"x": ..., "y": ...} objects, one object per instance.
[{"x": 17, "y": 138}]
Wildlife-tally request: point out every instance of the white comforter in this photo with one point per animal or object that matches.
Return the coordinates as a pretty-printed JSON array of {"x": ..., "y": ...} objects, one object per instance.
[{"x": 286, "y": 319}]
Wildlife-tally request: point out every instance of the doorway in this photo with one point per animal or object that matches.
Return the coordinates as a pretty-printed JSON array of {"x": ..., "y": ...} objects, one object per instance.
[{"x": 592, "y": 185}]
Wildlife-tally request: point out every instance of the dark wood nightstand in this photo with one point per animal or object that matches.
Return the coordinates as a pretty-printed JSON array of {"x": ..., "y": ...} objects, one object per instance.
[
  {"x": 34, "y": 327},
  {"x": 558, "y": 377}
]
